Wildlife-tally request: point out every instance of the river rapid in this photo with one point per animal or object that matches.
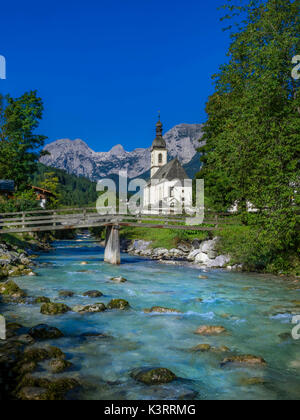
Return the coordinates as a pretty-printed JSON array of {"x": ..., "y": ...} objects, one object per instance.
[{"x": 256, "y": 311}]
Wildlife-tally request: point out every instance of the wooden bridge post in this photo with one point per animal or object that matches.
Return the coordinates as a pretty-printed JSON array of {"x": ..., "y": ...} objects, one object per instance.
[{"x": 112, "y": 252}]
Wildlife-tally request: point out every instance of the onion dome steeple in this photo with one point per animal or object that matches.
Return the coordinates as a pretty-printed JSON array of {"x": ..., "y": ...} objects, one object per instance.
[{"x": 159, "y": 142}]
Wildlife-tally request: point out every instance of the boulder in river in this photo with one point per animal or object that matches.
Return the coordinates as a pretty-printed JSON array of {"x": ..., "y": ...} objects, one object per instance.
[
  {"x": 45, "y": 332},
  {"x": 153, "y": 376},
  {"x": 248, "y": 359},
  {"x": 208, "y": 348},
  {"x": 118, "y": 279},
  {"x": 42, "y": 299},
  {"x": 54, "y": 308},
  {"x": 66, "y": 293},
  {"x": 39, "y": 354},
  {"x": 162, "y": 310},
  {"x": 285, "y": 336},
  {"x": 118, "y": 304},
  {"x": 210, "y": 330},
  {"x": 10, "y": 288},
  {"x": 59, "y": 365},
  {"x": 33, "y": 393},
  {"x": 96, "y": 307},
  {"x": 78, "y": 308},
  {"x": 93, "y": 294},
  {"x": 202, "y": 348},
  {"x": 51, "y": 390}
]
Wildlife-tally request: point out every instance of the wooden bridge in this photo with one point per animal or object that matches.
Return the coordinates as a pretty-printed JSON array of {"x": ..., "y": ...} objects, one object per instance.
[{"x": 81, "y": 218}]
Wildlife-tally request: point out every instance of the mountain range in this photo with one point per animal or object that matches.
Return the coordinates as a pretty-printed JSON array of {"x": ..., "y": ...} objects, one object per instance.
[{"x": 76, "y": 157}]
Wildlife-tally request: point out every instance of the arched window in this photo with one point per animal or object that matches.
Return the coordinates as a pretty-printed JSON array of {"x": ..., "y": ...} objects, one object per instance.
[{"x": 160, "y": 158}]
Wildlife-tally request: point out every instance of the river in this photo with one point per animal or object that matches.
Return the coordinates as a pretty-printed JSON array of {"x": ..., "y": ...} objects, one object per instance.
[{"x": 255, "y": 310}]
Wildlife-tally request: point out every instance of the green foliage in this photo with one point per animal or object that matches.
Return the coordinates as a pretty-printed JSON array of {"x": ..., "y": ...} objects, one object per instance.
[
  {"x": 72, "y": 190},
  {"x": 19, "y": 146},
  {"x": 162, "y": 238},
  {"x": 252, "y": 133},
  {"x": 51, "y": 183},
  {"x": 22, "y": 201},
  {"x": 253, "y": 247}
]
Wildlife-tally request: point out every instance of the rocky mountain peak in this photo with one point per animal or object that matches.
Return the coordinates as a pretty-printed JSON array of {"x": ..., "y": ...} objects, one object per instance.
[{"x": 76, "y": 157}]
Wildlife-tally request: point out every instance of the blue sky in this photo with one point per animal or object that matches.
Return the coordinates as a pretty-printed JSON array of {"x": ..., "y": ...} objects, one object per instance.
[{"x": 104, "y": 68}]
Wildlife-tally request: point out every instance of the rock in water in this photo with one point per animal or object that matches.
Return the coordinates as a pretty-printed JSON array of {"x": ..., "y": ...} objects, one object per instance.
[
  {"x": 208, "y": 348},
  {"x": 37, "y": 354},
  {"x": 45, "y": 332},
  {"x": 66, "y": 293},
  {"x": 93, "y": 294},
  {"x": 31, "y": 393},
  {"x": 118, "y": 304},
  {"x": 11, "y": 289},
  {"x": 118, "y": 279},
  {"x": 42, "y": 299},
  {"x": 244, "y": 360},
  {"x": 252, "y": 381},
  {"x": 53, "y": 390},
  {"x": 210, "y": 330},
  {"x": 161, "y": 310},
  {"x": 153, "y": 376},
  {"x": 202, "y": 348},
  {"x": 78, "y": 308},
  {"x": 97, "y": 307},
  {"x": 54, "y": 309},
  {"x": 59, "y": 365}
]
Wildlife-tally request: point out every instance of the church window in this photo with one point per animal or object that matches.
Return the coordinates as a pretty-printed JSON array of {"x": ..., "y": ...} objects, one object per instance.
[{"x": 160, "y": 158}]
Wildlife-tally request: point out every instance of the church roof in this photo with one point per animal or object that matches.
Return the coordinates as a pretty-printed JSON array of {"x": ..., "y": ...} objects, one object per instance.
[
  {"x": 159, "y": 143},
  {"x": 172, "y": 170}
]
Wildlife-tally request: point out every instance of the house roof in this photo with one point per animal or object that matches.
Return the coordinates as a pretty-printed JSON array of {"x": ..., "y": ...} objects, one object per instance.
[
  {"x": 172, "y": 170},
  {"x": 7, "y": 185},
  {"x": 42, "y": 190}
]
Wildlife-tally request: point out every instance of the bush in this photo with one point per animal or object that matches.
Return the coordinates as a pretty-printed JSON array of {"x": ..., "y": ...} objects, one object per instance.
[
  {"x": 257, "y": 250},
  {"x": 23, "y": 201}
]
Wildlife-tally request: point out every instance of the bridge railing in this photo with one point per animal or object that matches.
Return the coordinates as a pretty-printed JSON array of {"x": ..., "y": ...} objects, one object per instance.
[{"x": 75, "y": 218}]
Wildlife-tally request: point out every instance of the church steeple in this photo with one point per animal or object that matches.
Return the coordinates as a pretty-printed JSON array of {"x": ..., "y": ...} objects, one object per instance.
[
  {"x": 159, "y": 142},
  {"x": 159, "y": 152}
]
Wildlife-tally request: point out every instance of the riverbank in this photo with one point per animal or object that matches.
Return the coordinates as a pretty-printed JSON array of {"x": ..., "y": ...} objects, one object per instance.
[
  {"x": 202, "y": 254},
  {"x": 17, "y": 254},
  {"x": 232, "y": 247}
]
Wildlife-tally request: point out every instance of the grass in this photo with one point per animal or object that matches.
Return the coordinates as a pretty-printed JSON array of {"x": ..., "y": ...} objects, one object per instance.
[{"x": 162, "y": 238}]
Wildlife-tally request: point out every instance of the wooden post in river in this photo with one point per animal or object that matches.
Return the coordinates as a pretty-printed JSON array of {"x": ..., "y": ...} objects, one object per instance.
[{"x": 112, "y": 252}]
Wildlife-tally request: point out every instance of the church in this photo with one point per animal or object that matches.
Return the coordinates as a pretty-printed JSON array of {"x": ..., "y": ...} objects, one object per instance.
[{"x": 169, "y": 190}]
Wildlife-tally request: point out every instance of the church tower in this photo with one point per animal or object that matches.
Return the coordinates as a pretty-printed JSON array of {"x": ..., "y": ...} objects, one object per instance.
[{"x": 159, "y": 154}]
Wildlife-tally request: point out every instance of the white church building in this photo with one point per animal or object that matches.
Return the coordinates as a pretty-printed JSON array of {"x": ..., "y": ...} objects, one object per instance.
[{"x": 169, "y": 190}]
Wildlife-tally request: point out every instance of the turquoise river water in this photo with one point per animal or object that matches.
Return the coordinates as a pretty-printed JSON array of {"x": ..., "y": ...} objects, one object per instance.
[{"x": 256, "y": 310}]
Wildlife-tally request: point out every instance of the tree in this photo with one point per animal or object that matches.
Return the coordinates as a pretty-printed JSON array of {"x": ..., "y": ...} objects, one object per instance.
[
  {"x": 252, "y": 133},
  {"x": 51, "y": 183},
  {"x": 19, "y": 145}
]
